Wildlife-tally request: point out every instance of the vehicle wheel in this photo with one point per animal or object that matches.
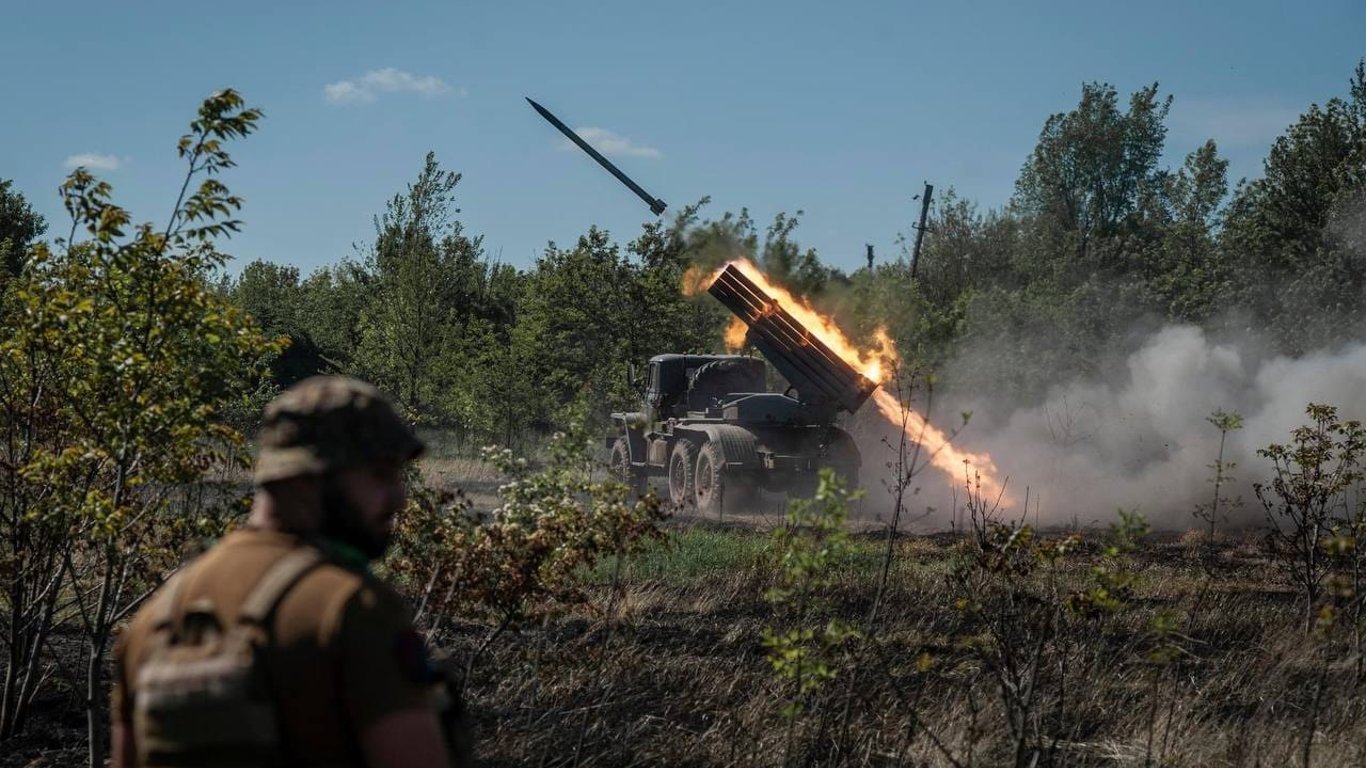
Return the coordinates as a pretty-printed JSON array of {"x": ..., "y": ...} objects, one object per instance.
[
  {"x": 848, "y": 475},
  {"x": 709, "y": 481},
  {"x": 842, "y": 455},
  {"x": 682, "y": 462},
  {"x": 802, "y": 485},
  {"x": 620, "y": 466},
  {"x": 719, "y": 490}
]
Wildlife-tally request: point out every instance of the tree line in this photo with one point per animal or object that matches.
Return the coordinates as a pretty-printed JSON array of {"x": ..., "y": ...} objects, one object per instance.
[{"x": 1098, "y": 239}]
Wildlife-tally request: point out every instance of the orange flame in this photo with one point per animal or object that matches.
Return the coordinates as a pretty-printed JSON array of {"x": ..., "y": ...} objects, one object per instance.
[
  {"x": 958, "y": 464},
  {"x": 735, "y": 334},
  {"x": 696, "y": 280},
  {"x": 877, "y": 362}
]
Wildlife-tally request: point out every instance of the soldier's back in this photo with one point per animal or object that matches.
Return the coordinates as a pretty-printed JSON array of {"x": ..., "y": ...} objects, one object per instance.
[{"x": 340, "y": 652}]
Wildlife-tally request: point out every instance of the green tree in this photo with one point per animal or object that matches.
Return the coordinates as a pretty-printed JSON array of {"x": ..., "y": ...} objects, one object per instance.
[
  {"x": 1098, "y": 238},
  {"x": 712, "y": 242},
  {"x": 498, "y": 397},
  {"x": 667, "y": 319},
  {"x": 785, "y": 260},
  {"x": 33, "y": 537},
  {"x": 1291, "y": 231},
  {"x": 1309, "y": 496},
  {"x": 1189, "y": 272},
  {"x": 1092, "y": 166},
  {"x": 332, "y": 302},
  {"x": 1212, "y": 514},
  {"x": 141, "y": 358},
  {"x": 575, "y": 323},
  {"x": 1198, "y": 189},
  {"x": 486, "y": 391},
  {"x": 29, "y": 570},
  {"x": 20, "y": 225},
  {"x": 886, "y": 297},
  {"x": 271, "y": 294},
  {"x": 420, "y": 266},
  {"x": 1321, "y": 157}
]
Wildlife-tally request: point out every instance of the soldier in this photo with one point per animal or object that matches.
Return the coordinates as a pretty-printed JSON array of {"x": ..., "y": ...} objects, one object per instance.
[{"x": 278, "y": 646}]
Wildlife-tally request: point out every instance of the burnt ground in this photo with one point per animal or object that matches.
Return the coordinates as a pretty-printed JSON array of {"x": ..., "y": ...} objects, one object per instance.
[
  {"x": 672, "y": 670},
  {"x": 668, "y": 666}
]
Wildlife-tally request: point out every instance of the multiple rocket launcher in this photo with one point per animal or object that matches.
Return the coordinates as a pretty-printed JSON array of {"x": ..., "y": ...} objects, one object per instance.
[
  {"x": 821, "y": 377},
  {"x": 824, "y": 381}
]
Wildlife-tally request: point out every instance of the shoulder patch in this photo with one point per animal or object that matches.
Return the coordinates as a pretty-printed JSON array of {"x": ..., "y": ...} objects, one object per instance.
[{"x": 410, "y": 651}]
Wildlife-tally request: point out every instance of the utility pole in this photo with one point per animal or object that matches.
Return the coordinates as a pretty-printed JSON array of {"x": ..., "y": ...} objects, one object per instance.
[{"x": 920, "y": 228}]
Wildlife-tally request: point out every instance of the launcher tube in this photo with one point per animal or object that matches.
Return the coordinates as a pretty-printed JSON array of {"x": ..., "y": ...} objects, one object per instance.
[{"x": 819, "y": 375}]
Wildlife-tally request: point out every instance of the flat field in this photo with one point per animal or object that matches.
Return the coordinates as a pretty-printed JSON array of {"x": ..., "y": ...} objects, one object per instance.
[
  {"x": 1202, "y": 660},
  {"x": 1197, "y": 655}
]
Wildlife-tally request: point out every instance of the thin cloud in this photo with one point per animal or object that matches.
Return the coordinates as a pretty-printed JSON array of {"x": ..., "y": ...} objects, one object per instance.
[
  {"x": 387, "y": 80},
  {"x": 93, "y": 162},
  {"x": 612, "y": 144},
  {"x": 1229, "y": 123}
]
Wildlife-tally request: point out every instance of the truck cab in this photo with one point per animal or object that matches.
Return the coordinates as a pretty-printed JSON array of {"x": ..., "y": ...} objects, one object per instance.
[{"x": 680, "y": 385}]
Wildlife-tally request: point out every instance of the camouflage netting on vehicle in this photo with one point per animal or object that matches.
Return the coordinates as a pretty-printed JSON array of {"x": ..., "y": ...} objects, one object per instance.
[{"x": 723, "y": 377}]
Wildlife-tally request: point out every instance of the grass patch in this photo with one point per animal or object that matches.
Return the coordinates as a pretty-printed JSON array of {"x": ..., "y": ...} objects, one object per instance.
[{"x": 688, "y": 555}]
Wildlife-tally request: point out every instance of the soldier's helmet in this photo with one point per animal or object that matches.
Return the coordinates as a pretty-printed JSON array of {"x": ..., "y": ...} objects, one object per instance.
[{"x": 327, "y": 423}]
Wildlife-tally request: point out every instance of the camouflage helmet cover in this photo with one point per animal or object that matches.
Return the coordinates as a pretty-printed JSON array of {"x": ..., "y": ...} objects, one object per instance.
[{"x": 330, "y": 422}]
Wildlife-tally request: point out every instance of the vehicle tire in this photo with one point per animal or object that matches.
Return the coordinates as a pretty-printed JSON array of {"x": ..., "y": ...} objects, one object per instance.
[
  {"x": 709, "y": 480},
  {"x": 620, "y": 466},
  {"x": 682, "y": 464},
  {"x": 802, "y": 485},
  {"x": 842, "y": 455},
  {"x": 719, "y": 490},
  {"x": 848, "y": 476}
]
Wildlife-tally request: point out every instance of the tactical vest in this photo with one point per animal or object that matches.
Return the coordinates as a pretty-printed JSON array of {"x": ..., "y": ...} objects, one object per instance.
[{"x": 202, "y": 696}]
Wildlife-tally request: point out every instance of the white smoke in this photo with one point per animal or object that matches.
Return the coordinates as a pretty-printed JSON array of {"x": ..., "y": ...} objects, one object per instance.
[{"x": 1141, "y": 439}]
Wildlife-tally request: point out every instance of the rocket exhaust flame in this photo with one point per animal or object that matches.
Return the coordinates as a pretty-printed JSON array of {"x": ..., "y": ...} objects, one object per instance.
[
  {"x": 958, "y": 464},
  {"x": 763, "y": 309},
  {"x": 735, "y": 334}
]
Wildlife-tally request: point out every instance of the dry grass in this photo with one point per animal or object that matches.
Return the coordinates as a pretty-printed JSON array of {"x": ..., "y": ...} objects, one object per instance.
[
  {"x": 670, "y": 670},
  {"x": 478, "y": 479}
]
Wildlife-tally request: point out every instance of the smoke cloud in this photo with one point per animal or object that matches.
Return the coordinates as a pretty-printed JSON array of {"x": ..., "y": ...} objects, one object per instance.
[{"x": 1139, "y": 438}]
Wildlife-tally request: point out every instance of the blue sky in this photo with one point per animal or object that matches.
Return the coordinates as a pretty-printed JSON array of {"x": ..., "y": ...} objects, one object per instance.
[{"x": 839, "y": 109}]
